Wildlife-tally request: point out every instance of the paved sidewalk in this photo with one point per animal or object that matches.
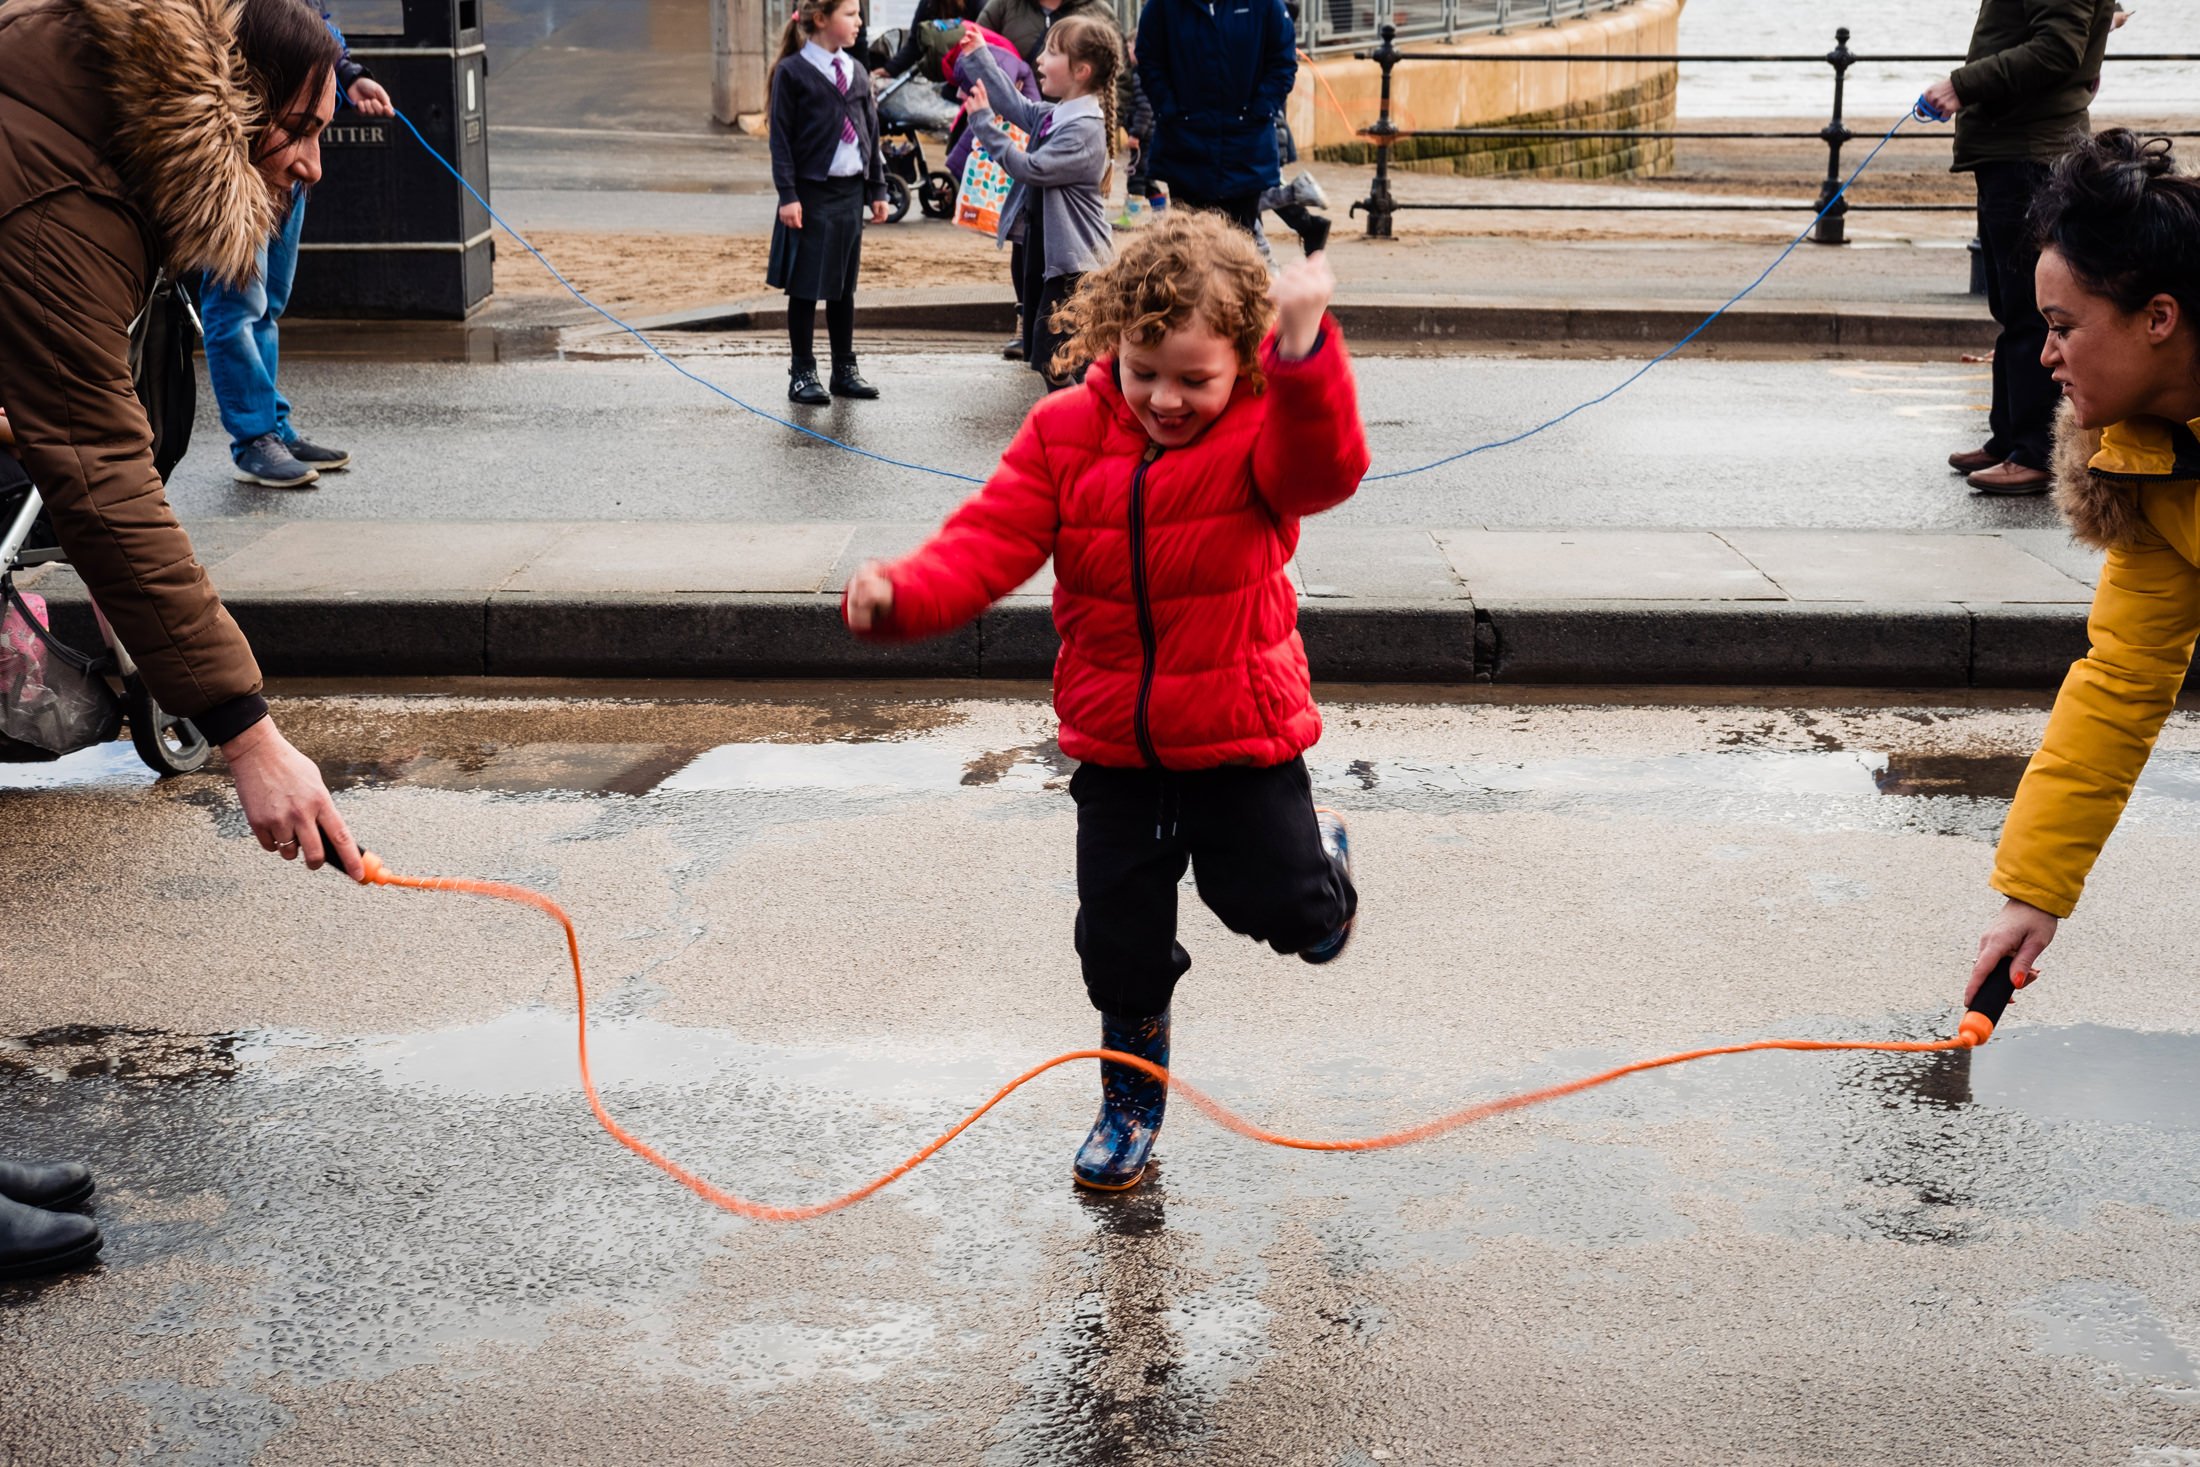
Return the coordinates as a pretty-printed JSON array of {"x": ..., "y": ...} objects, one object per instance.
[{"x": 1446, "y": 604}]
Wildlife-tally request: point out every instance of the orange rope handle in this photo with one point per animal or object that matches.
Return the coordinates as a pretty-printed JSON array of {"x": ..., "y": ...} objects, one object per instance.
[{"x": 377, "y": 874}]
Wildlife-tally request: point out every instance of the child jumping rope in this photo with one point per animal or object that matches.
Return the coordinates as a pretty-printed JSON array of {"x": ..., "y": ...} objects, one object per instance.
[
  {"x": 1218, "y": 410},
  {"x": 826, "y": 164},
  {"x": 1057, "y": 204}
]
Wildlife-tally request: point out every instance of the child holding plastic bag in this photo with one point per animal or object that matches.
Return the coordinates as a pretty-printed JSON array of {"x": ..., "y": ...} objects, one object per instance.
[
  {"x": 1057, "y": 208},
  {"x": 1218, "y": 410}
]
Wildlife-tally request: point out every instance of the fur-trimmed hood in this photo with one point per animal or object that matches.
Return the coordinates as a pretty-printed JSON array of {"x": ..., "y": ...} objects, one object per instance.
[
  {"x": 2099, "y": 473},
  {"x": 145, "y": 101}
]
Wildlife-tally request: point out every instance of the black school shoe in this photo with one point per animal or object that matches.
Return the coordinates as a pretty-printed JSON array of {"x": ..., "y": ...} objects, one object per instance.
[
  {"x": 804, "y": 388},
  {"x": 1132, "y": 1103},
  {"x": 848, "y": 382},
  {"x": 1338, "y": 843},
  {"x": 34, "y": 1242},
  {"x": 64, "y": 1184}
]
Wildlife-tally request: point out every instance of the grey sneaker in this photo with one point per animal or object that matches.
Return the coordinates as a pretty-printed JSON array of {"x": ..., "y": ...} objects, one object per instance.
[
  {"x": 1305, "y": 189},
  {"x": 314, "y": 456},
  {"x": 268, "y": 460}
]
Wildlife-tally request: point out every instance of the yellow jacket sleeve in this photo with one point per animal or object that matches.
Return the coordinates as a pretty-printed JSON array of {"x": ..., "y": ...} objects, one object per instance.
[{"x": 2145, "y": 617}]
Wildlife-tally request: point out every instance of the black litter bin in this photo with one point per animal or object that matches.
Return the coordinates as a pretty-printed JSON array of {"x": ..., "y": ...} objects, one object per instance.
[{"x": 389, "y": 233}]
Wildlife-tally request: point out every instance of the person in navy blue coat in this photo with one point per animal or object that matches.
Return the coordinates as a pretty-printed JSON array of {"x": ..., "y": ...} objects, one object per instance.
[{"x": 1217, "y": 73}]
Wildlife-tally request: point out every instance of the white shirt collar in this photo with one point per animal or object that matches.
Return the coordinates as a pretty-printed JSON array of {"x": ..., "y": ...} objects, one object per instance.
[
  {"x": 823, "y": 59},
  {"x": 1076, "y": 107}
]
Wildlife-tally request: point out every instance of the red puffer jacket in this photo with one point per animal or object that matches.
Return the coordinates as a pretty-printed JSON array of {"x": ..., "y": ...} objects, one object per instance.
[{"x": 1179, "y": 623}]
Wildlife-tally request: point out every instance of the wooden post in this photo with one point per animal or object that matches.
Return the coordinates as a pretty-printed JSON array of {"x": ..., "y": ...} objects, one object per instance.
[{"x": 743, "y": 40}]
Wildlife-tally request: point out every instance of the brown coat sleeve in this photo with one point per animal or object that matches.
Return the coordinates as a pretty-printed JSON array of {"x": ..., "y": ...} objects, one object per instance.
[{"x": 69, "y": 289}]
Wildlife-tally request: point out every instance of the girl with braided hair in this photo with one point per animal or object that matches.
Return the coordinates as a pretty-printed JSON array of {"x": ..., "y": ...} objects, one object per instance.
[
  {"x": 1066, "y": 163},
  {"x": 1217, "y": 411}
]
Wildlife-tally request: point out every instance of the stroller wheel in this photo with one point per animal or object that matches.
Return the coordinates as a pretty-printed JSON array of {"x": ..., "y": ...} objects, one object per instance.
[
  {"x": 167, "y": 744},
  {"x": 897, "y": 200},
  {"x": 936, "y": 195}
]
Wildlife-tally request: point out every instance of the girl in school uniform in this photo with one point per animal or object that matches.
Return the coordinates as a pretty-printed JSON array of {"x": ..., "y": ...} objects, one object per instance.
[
  {"x": 826, "y": 166},
  {"x": 1057, "y": 206}
]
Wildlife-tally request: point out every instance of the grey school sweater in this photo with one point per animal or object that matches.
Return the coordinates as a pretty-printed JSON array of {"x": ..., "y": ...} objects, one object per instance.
[{"x": 1064, "y": 166}]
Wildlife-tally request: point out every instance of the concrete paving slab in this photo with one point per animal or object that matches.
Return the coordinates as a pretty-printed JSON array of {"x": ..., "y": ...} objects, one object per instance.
[
  {"x": 1375, "y": 563},
  {"x": 383, "y": 557},
  {"x": 2057, "y": 548},
  {"x": 655, "y": 556},
  {"x": 1877, "y": 566},
  {"x": 1595, "y": 565}
]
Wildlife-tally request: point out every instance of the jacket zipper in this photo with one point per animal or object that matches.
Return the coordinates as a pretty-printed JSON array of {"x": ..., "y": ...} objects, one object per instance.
[{"x": 1146, "y": 637}]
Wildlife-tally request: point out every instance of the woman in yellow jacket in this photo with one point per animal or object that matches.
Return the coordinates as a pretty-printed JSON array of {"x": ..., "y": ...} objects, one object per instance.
[{"x": 2119, "y": 284}]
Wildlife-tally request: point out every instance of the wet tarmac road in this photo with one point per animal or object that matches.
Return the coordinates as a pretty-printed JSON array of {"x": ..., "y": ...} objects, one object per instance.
[
  {"x": 357, "y": 1213},
  {"x": 1704, "y": 444}
]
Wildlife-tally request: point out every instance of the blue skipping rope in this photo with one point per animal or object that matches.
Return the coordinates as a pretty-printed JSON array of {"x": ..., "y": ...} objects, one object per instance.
[{"x": 1922, "y": 111}]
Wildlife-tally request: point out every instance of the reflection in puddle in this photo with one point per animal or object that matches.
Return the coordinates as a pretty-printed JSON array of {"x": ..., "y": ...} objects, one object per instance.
[
  {"x": 912, "y": 764},
  {"x": 532, "y": 1052},
  {"x": 940, "y": 762},
  {"x": 2087, "y": 1073},
  {"x": 2112, "y": 1324},
  {"x": 115, "y": 764}
]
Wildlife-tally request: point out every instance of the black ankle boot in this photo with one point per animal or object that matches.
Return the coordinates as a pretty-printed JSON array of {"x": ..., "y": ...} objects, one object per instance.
[
  {"x": 848, "y": 382},
  {"x": 34, "y": 1242},
  {"x": 1132, "y": 1104},
  {"x": 803, "y": 386},
  {"x": 61, "y": 1185}
]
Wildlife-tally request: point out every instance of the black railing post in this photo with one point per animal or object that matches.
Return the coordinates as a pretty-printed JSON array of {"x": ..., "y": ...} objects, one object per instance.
[
  {"x": 1833, "y": 224},
  {"x": 1381, "y": 206}
]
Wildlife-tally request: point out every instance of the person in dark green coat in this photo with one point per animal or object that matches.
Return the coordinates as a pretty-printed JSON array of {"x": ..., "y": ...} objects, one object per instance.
[{"x": 2020, "y": 102}]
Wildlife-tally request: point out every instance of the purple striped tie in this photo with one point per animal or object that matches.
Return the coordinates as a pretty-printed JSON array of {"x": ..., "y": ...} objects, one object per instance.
[{"x": 847, "y": 124}]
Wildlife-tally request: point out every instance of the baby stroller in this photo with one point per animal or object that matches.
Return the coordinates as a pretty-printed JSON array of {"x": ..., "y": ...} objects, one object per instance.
[
  {"x": 907, "y": 107},
  {"x": 54, "y": 699}
]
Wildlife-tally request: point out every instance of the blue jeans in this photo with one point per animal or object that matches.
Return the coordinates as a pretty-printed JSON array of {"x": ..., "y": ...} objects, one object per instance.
[{"x": 241, "y": 345}]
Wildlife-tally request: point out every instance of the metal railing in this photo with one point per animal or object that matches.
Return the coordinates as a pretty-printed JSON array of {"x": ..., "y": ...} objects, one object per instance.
[
  {"x": 1340, "y": 27},
  {"x": 1832, "y": 203}
]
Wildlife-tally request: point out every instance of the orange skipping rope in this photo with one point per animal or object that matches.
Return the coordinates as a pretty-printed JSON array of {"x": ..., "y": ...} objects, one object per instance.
[{"x": 1977, "y": 1026}]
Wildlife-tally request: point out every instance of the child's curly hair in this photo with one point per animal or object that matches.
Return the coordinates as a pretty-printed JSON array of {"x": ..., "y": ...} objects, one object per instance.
[{"x": 1183, "y": 263}]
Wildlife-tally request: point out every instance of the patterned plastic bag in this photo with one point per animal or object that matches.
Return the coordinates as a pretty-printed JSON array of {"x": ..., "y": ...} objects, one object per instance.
[
  {"x": 53, "y": 700},
  {"x": 984, "y": 189}
]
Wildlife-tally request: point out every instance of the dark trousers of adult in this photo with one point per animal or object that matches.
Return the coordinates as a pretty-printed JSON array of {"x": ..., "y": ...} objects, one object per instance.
[
  {"x": 2023, "y": 419},
  {"x": 1250, "y": 838},
  {"x": 840, "y": 330},
  {"x": 1244, "y": 212}
]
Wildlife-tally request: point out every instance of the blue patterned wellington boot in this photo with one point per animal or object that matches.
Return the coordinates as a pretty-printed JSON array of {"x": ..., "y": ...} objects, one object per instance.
[{"x": 1132, "y": 1102}]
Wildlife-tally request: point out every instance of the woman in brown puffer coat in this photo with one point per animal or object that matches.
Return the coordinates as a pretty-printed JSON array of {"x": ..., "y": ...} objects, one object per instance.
[{"x": 138, "y": 136}]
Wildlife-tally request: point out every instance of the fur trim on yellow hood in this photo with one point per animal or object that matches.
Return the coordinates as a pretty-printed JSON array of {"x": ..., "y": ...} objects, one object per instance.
[
  {"x": 2100, "y": 512},
  {"x": 184, "y": 128},
  {"x": 2099, "y": 476}
]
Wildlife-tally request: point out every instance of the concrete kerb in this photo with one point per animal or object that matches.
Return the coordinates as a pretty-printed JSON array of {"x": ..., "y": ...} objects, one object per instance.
[
  {"x": 1391, "y": 318},
  {"x": 714, "y": 635}
]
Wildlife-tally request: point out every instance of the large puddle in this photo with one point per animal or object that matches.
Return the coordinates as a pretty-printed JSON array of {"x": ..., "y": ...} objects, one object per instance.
[{"x": 941, "y": 762}]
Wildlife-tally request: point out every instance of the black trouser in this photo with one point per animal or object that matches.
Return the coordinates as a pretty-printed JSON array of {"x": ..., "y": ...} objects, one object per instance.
[
  {"x": 1244, "y": 212},
  {"x": 1255, "y": 852},
  {"x": 2025, "y": 394},
  {"x": 840, "y": 330}
]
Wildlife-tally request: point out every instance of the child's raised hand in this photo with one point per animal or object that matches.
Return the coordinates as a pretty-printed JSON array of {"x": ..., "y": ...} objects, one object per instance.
[
  {"x": 869, "y": 598},
  {"x": 791, "y": 215},
  {"x": 1301, "y": 294},
  {"x": 970, "y": 41},
  {"x": 976, "y": 99}
]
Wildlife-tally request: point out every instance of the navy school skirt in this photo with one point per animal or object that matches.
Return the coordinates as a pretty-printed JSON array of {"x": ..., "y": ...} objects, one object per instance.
[{"x": 820, "y": 261}]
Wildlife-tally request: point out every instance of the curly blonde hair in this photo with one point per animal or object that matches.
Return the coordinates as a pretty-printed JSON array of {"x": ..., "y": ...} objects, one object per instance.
[{"x": 1185, "y": 264}]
